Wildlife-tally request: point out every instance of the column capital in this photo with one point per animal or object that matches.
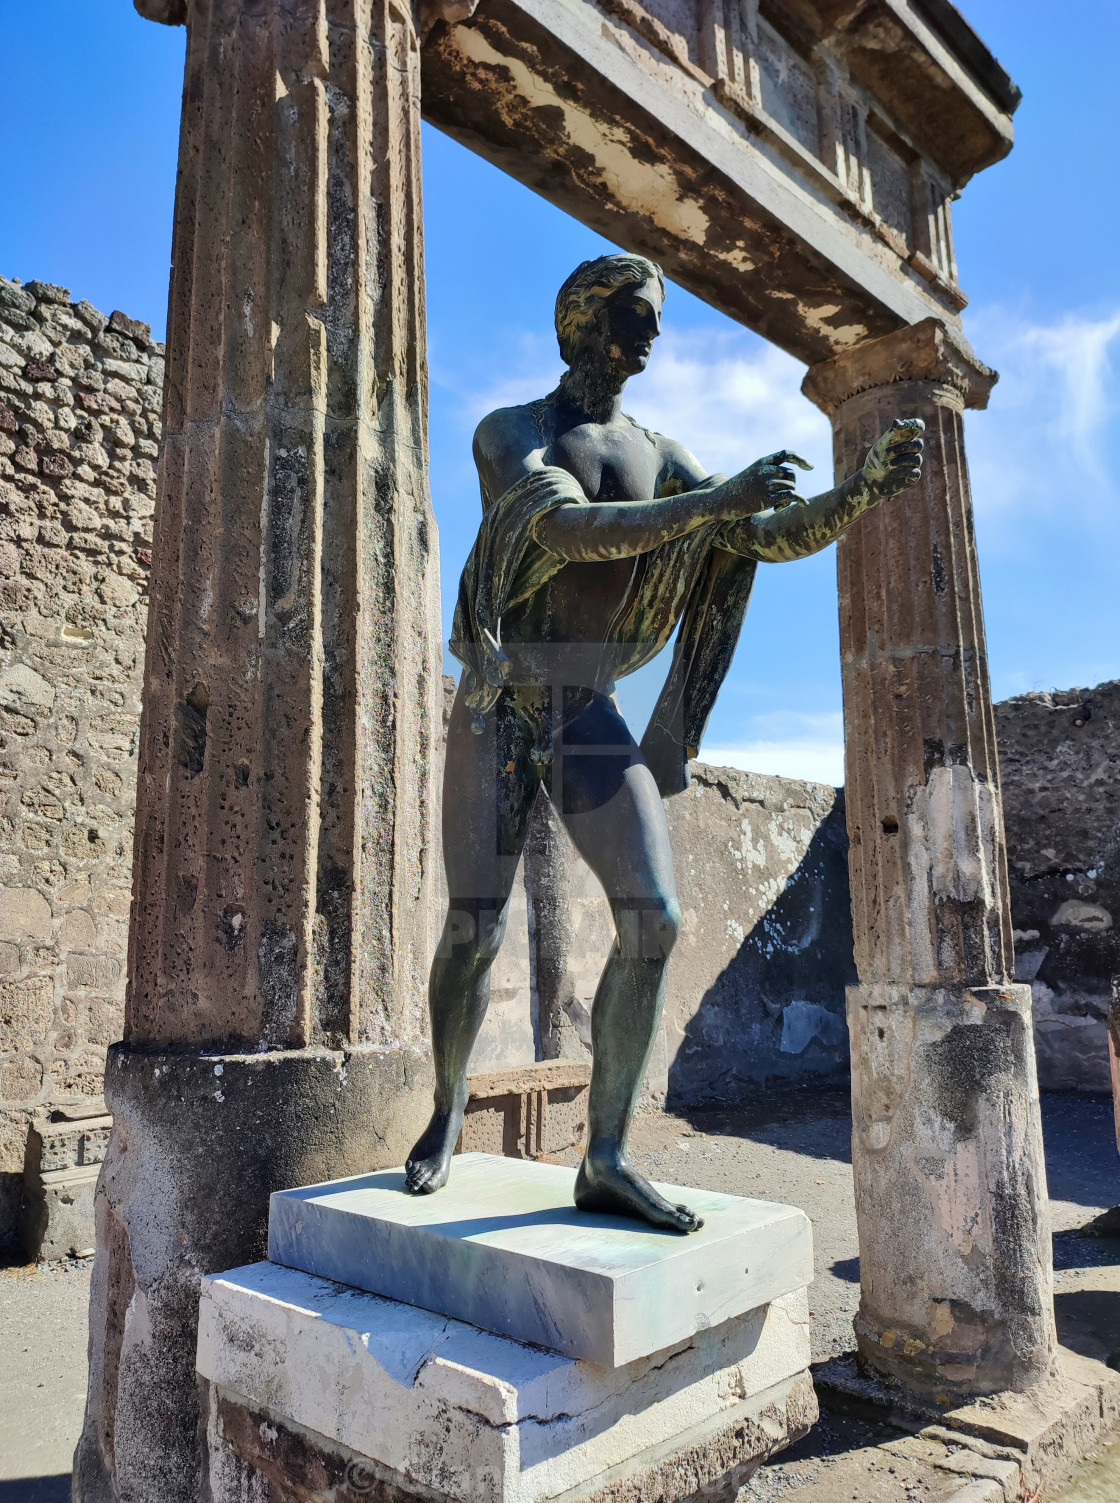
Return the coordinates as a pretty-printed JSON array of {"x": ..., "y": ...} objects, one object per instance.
[
  {"x": 167, "y": 12},
  {"x": 926, "y": 351}
]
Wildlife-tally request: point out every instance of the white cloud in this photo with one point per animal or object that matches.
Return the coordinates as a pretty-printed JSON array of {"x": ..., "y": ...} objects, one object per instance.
[
  {"x": 812, "y": 761},
  {"x": 531, "y": 367},
  {"x": 731, "y": 398},
  {"x": 1044, "y": 438},
  {"x": 788, "y": 743},
  {"x": 728, "y": 396}
]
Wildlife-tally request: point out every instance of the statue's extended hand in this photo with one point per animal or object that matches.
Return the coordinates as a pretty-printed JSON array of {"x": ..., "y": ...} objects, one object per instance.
[
  {"x": 894, "y": 460},
  {"x": 768, "y": 482}
]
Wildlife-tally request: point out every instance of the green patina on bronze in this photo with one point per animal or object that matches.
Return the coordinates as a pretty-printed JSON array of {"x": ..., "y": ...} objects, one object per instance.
[{"x": 599, "y": 539}]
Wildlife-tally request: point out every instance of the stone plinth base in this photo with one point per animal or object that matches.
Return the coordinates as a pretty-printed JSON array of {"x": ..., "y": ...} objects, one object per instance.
[
  {"x": 503, "y": 1246},
  {"x": 317, "y": 1390},
  {"x": 957, "y": 1295}
]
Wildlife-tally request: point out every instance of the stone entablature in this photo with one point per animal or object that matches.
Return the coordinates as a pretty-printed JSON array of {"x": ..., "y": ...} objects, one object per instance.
[
  {"x": 807, "y": 81},
  {"x": 791, "y": 163},
  {"x": 80, "y": 400}
]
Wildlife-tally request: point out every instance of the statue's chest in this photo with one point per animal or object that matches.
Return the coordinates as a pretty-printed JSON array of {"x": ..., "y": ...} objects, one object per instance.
[{"x": 609, "y": 465}]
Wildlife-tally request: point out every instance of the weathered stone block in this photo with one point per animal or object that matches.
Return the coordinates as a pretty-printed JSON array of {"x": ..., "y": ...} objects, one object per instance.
[
  {"x": 529, "y": 1112},
  {"x": 503, "y": 1246},
  {"x": 423, "y": 1406},
  {"x": 26, "y": 1011},
  {"x": 56, "y": 1218},
  {"x": 96, "y": 972},
  {"x": 22, "y": 1080},
  {"x": 59, "y": 1181},
  {"x": 132, "y": 328},
  {"x": 25, "y": 915},
  {"x": 1060, "y": 774}
]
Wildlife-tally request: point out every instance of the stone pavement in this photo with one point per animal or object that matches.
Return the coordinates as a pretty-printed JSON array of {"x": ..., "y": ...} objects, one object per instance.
[
  {"x": 43, "y": 1324},
  {"x": 794, "y": 1147}
]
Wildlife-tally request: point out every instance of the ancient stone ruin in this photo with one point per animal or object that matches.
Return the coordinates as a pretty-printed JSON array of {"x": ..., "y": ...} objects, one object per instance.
[{"x": 794, "y": 164}]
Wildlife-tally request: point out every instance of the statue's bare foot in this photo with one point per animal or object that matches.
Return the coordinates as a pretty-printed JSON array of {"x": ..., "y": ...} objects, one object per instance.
[
  {"x": 429, "y": 1163},
  {"x": 606, "y": 1183}
]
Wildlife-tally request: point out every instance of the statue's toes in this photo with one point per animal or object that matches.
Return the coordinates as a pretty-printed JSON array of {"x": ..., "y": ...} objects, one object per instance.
[{"x": 417, "y": 1177}]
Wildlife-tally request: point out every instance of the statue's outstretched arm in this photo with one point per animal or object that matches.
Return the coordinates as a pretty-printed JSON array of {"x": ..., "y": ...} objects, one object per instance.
[
  {"x": 799, "y": 528},
  {"x": 605, "y": 530}
]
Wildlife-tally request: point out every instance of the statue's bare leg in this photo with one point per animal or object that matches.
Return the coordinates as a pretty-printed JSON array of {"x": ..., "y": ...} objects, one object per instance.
[
  {"x": 489, "y": 789},
  {"x": 610, "y": 805}
]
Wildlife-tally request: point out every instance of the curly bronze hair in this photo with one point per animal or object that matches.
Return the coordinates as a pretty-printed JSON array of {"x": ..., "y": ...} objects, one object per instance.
[{"x": 588, "y": 287}]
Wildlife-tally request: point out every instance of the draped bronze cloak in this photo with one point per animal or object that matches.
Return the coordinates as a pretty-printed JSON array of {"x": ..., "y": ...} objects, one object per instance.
[{"x": 692, "y": 582}]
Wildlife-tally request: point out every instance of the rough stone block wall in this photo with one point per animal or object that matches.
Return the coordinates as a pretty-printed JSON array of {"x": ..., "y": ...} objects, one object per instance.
[
  {"x": 80, "y": 401},
  {"x": 1060, "y": 769}
]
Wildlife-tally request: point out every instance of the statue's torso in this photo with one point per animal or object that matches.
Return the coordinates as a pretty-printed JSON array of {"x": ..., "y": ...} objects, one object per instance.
[{"x": 612, "y": 462}]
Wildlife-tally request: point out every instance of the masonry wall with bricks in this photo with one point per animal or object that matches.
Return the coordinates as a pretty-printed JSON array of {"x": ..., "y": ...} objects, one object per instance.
[{"x": 80, "y": 401}]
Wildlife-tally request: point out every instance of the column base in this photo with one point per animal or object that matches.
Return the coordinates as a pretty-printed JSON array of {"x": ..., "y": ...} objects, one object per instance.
[
  {"x": 199, "y": 1142},
  {"x": 954, "y": 1232},
  {"x": 315, "y": 1390},
  {"x": 1049, "y": 1430}
]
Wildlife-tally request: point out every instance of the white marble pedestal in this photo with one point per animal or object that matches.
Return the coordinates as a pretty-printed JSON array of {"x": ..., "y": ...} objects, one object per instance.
[{"x": 322, "y": 1390}]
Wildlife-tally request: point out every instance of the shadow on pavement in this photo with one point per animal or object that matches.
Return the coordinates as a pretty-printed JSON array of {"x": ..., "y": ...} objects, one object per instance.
[
  {"x": 811, "y": 1117},
  {"x": 36, "y": 1489},
  {"x": 1081, "y": 1159},
  {"x": 1088, "y": 1322},
  {"x": 1075, "y": 1250}
]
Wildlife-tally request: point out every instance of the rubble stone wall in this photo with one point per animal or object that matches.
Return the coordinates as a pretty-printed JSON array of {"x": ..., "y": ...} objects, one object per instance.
[
  {"x": 80, "y": 402},
  {"x": 1060, "y": 768}
]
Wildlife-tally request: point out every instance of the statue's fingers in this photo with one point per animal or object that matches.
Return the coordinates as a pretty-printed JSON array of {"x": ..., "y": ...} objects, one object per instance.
[
  {"x": 908, "y": 425},
  {"x": 786, "y": 456}
]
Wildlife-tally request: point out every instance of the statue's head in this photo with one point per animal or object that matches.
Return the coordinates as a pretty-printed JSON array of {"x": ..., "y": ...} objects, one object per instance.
[{"x": 608, "y": 313}]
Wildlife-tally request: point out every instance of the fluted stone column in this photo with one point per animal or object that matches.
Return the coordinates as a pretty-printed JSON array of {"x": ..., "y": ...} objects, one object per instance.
[
  {"x": 275, "y": 1022},
  {"x": 947, "y": 1148}
]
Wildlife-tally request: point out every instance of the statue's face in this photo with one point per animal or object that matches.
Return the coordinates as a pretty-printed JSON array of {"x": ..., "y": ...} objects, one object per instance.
[{"x": 630, "y": 322}]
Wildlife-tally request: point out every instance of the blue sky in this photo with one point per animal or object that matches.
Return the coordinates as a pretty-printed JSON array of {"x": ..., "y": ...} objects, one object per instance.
[{"x": 88, "y": 128}]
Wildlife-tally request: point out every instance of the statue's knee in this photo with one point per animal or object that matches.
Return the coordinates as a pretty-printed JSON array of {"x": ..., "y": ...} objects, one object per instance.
[
  {"x": 669, "y": 922},
  {"x": 651, "y": 931},
  {"x": 471, "y": 938},
  {"x": 491, "y": 932}
]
